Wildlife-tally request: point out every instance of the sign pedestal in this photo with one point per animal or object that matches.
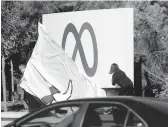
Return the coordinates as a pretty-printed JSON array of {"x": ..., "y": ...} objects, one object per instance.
[{"x": 112, "y": 91}]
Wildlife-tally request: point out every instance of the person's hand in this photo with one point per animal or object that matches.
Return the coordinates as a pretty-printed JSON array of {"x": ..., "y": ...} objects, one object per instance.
[
  {"x": 117, "y": 86},
  {"x": 25, "y": 105}
]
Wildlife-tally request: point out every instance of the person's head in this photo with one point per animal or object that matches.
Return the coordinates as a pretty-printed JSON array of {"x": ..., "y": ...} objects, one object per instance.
[
  {"x": 114, "y": 68},
  {"x": 140, "y": 58},
  {"x": 22, "y": 68},
  {"x": 143, "y": 58}
]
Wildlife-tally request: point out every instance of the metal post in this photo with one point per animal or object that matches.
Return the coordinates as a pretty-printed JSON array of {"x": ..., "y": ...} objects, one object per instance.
[
  {"x": 4, "y": 84},
  {"x": 12, "y": 78}
]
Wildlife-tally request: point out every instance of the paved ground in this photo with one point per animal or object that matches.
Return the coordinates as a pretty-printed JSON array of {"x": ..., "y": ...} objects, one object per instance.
[{"x": 7, "y": 117}]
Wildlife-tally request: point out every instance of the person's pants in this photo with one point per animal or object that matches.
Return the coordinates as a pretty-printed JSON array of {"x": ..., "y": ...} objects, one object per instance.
[{"x": 32, "y": 101}]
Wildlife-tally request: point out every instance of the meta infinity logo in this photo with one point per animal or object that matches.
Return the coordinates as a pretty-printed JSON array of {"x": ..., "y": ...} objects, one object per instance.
[{"x": 90, "y": 71}]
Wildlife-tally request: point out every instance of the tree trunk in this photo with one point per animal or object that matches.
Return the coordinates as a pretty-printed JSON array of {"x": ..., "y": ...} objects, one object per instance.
[
  {"x": 12, "y": 78},
  {"x": 4, "y": 84}
]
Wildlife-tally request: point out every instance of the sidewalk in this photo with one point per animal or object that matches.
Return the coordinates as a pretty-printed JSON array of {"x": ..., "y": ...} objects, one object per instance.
[{"x": 7, "y": 117}]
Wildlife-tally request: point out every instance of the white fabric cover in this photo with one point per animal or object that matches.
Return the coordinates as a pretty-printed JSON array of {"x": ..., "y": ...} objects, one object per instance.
[{"x": 50, "y": 66}]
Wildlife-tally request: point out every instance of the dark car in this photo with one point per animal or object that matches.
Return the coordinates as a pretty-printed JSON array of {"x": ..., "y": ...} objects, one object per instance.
[{"x": 99, "y": 112}]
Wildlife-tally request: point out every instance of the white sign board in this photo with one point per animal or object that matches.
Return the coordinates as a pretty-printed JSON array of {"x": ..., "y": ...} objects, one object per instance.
[{"x": 95, "y": 39}]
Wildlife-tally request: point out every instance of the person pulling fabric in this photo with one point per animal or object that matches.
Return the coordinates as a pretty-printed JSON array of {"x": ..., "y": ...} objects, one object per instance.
[{"x": 121, "y": 79}]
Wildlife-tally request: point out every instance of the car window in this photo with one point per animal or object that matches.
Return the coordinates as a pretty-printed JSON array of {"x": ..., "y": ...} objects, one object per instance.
[
  {"x": 134, "y": 121},
  {"x": 54, "y": 117},
  {"x": 105, "y": 115}
]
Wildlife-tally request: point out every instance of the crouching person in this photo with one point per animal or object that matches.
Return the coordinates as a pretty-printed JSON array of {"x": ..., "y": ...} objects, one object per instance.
[
  {"x": 35, "y": 103},
  {"x": 19, "y": 102}
]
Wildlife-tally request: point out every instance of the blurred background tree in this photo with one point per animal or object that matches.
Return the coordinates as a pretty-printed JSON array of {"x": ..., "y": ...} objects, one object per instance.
[{"x": 19, "y": 20}]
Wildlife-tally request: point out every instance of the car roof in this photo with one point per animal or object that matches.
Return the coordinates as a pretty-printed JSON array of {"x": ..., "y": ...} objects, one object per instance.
[
  {"x": 158, "y": 104},
  {"x": 118, "y": 98}
]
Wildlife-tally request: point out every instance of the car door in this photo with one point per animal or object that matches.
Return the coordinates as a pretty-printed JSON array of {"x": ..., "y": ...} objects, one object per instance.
[
  {"x": 111, "y": 114},
  {"x": 61, "y": 115}
]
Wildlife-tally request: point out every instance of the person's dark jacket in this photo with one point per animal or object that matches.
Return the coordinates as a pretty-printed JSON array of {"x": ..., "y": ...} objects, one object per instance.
[{"x": 120, "y": 78}]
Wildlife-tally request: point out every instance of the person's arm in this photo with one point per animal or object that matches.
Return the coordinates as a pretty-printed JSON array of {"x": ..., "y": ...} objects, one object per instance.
[
  {"x": 114, "y": 79},
  {"x": 25, "y": 104},
  {"x": 21, "y": 92}
]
